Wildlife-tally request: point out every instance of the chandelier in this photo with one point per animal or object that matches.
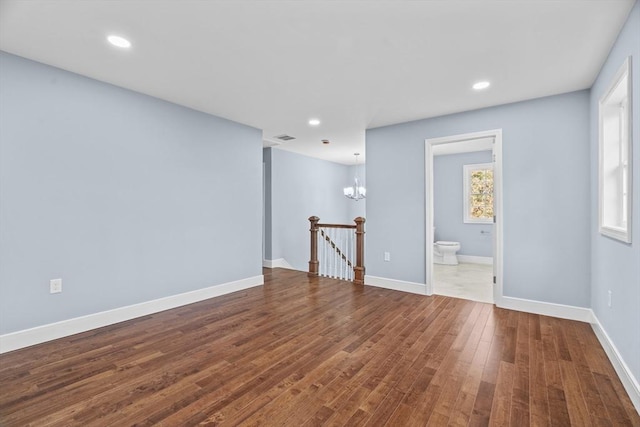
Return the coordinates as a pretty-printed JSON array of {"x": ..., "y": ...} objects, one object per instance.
[{"x": 356, "y": 191}]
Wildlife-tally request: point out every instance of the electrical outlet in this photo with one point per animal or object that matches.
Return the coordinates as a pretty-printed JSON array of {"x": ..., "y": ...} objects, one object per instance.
[
  {"x": 387, "y": 256},
  {"x": 55, "y": 286},
  {"x": 609, "y": 301}
]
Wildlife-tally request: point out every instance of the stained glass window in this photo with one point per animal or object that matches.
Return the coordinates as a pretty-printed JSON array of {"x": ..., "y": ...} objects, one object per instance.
[{"x": 478, "y": 193}]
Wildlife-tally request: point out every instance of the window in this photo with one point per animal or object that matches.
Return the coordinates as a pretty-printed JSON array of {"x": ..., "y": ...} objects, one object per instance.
[
  {"x": 615, "y": 161},
  {"x": 478, "y": 193}
]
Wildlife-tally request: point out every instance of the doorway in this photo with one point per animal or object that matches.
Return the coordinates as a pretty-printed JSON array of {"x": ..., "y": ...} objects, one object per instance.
[{"x": 473, "y": 270}]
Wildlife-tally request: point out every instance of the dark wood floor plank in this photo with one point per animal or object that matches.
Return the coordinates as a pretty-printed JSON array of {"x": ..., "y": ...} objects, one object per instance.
[
  {"x": 482, "y": 406},
  {"x": 556, "y": 394},
  {"x": 538, "y": 398},
  {"x": 620, "y": 409},
  {"x": 400, "y": 416},
  {"x": 481, "y": 413},
  {"x": 314, "y": 351},
  {"x": 584, "y": 376},
  {"x": 501, "y": 408},
  {"x": 520, "y": 397},
  {"x": 618, "y": 414},
  {"x": 463, "y": 407},
  {"x": 288, "y": 394},
  {"x": 576, "y": 406},
  {"x": 351, "y": 405},
  {"x": 463, "y": 349},
  {"x": 443, "y": 361}
]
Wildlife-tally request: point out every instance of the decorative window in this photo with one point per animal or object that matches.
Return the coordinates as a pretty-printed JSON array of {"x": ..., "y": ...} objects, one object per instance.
[
  {"x": 478, "y": 193},
  {"x": 615, "y": 160}
]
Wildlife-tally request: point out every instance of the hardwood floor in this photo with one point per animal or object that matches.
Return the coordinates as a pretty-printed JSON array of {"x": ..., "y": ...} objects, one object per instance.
[{"x": 304, "y": 352}]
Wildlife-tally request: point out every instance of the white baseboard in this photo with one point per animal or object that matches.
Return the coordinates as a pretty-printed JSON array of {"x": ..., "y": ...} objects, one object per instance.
[
  {"x": 475, "y": 259},
  {"x": 277, "y": 263},
  {"x": 396, "y": 285},
  {"x": 529, "y": 306},
  {"x": 561, "y": 311},
  {"x": 629, "y": 382},
  {"x": 52, "y": 331}
]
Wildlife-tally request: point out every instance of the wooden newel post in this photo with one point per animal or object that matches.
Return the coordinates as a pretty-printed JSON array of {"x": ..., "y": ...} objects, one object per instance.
[
  {"x": 313, "y": 262},
  {"x": 359, "y": 268}
]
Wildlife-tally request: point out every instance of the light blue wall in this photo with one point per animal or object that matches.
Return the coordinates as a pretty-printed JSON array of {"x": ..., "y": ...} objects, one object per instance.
[
  {"x": 267, "y": 226},
  {"x": 448, "y": 195},
  {"x": 545, "y": 165},
  {"x": 615, "y": 265},
  {"x": 125, "y": 197},
  {"x": 302, "y": 187}
]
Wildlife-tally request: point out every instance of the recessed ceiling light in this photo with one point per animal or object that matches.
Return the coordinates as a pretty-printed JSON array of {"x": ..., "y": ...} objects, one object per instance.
[
  {"x": 481, "y": 85},
  {"x": 314, "y": 122},
  {"x": 119, "y": 41}
]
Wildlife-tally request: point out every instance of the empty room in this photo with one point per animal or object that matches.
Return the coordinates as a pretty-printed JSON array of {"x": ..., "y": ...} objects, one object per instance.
[{"x": 338, "y": 213}]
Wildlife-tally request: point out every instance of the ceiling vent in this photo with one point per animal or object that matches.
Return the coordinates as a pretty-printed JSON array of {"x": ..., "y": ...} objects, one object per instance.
[{"x": 284, "y": 137}]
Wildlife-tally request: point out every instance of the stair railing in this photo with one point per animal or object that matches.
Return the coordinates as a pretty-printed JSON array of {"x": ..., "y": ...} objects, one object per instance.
[{"x": 337, "y": 250}]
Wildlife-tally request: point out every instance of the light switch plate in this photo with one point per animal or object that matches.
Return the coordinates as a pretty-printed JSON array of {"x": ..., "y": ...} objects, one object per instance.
[{"x": 55, "y": 286}]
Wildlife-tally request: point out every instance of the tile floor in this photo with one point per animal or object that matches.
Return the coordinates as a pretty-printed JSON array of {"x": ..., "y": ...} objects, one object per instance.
[{"x": 465, "y": 280}]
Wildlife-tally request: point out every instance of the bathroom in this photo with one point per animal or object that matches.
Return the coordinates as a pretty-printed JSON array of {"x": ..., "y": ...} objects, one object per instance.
[{"x": 463, "y": 220}]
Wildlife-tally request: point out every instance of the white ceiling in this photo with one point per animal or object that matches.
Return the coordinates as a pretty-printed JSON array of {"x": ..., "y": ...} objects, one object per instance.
[{"x": 353, "y": 64}]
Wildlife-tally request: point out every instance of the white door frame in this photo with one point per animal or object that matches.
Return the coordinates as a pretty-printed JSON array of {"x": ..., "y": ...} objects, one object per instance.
[{"x": 497, "y": 197}]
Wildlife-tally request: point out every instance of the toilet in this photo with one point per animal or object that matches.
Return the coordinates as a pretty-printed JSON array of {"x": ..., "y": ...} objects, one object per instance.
[{"x": 445, "y": 252}]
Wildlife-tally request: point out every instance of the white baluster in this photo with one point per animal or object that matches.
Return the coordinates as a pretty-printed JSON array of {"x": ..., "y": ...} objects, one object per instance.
[
  {"x": 339, "y": 245},
  {"x": 343, "y": 271},
  {"x": 346, "y": 254},
  {"x": 329, "y": 257},
  {"x": 334, "y": 271},
  {"x": 352, "y": 236},
  {"x": 320, "y": 261},
  {"x": 340, "y": 260},
  {"x": 321, "y": 251},
  {"x": 335, "y": 254},
  {"x": 326, "y": 258},
  {"x": 324, "y": 249}
]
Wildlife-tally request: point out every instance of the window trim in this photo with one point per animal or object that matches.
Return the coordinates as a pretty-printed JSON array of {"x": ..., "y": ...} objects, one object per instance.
[
  {"x": 466, "y": 177},
  {"x": 622, "y": 233}
]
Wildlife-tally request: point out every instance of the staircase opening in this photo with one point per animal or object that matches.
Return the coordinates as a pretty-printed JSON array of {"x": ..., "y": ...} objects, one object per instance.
[{"x": 337, "y": 250}]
